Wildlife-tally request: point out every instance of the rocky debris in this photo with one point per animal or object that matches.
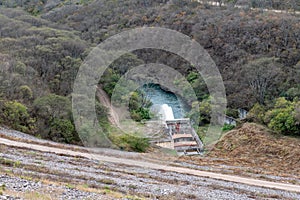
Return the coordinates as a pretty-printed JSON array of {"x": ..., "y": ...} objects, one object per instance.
[
  {"x": 21, "y": 186},
  {"x": 116, "y": 177},
  {"x": 18, "y": 184},
  {"x": 6, "y": 197}
]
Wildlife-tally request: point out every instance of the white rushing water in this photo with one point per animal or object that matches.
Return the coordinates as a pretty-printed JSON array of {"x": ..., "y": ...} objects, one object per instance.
[
  {"x": 173, "y": 107},
  {"x": 166, "y": 112}
]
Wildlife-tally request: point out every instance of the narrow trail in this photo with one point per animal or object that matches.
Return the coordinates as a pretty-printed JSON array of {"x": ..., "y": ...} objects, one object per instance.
[
  {"x": 149, "y": 165},
  {"x": 105, "y": 100}
]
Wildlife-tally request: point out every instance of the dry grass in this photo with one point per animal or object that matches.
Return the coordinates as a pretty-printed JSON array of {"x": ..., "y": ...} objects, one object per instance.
[
  {"x": 253, "y": 150},
  {"x": 254, "y": 146},
  {"x": 37, "y": 196},
  {"x": 31, "y": 195},
  {"x": 45, "y": 194}
]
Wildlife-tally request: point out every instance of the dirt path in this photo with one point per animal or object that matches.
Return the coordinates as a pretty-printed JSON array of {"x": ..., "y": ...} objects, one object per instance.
[
  {"x": 143, "y": 164},
  {"x": 105, "y": 100}
]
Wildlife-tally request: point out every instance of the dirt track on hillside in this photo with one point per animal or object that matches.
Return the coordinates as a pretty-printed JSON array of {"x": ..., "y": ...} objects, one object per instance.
[{"x": 105, "y": 100}]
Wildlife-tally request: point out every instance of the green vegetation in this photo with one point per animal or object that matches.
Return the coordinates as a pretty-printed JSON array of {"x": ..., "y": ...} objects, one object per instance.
[
  {"x": 139, "y": 106},
  {"x": 16, "y": 115},
  {"x": 70, "y": 186},
  {"x": 133, "y": 197},
  {"x": 2, "y": 189},
  {"x": 228, "y": 127},
  {"x": 53, "y": 113},
  {"x": 107, "y": 181},
  {"x": 38, "y": 63},
  {"x": 131, "y": 142},
  {"x": 43, "y": 44},
  {"x": 10, "y": 163},
  {"x": 36, "y": 196},
  {"x": 126, "y": 92},
  {"x": 282, "y": 117}
]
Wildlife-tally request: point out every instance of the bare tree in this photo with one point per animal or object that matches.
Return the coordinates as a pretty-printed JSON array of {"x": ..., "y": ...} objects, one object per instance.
[{"x": 261, "y": 75}]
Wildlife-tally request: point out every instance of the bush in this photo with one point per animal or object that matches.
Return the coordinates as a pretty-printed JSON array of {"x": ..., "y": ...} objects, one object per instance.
[
  {"x": 257, "y": 113},
  {"x": 54, "y": 120},
  {"x": 228, "y": 127},
  {"x": 16, "y": 115},
  {"x": 283, "y": 117},
  {"x": 292, "y": 93},
  {"x": 283, "y": 122},
  {"x": 139, "y": 106},
  {"x": 25, "y": 92},
  {"x": 62, "y": 129},
  {"x": 140, "y": 114},
  {"x": 132, "y": 142},
  {"x": 232, "y": 113},
  {"x": 52, "y": 106}
]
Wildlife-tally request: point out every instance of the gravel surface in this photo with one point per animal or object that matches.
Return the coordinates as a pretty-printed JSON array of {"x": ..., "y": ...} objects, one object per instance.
[
  {"x": 23, "y": 136},
  {"x": 22, "y": 187},
  {"x": 22, "y": 172},
  {"x": 154, "y": 184}
]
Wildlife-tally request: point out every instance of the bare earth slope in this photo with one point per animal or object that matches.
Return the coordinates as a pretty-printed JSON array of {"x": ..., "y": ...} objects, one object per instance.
[{"x": 105, "y": 100}]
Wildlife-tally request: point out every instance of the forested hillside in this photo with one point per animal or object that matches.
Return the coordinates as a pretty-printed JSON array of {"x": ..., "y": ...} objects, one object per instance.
[{"x": 44, "y": 42}]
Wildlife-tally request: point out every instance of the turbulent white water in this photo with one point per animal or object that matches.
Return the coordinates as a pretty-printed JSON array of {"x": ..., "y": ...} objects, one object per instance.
[
  {"x": 166, "y": 112},
  {"x": 165, "y": 103}
]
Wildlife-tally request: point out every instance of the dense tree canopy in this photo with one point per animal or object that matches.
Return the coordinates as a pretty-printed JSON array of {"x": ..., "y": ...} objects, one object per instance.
[{"x": 43, "y": 43}]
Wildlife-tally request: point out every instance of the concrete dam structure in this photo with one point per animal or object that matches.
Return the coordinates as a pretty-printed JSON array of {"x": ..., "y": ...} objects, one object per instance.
[{"x": 180, "y": 134}]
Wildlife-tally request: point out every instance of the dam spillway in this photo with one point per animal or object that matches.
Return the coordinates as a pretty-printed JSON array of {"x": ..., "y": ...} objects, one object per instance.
[
  {"x": 182, "y": 136},
  {"x": 166, "y": 112}
]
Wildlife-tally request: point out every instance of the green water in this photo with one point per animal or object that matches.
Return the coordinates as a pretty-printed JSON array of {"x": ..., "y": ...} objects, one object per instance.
[{"x": 159, "y": 96}]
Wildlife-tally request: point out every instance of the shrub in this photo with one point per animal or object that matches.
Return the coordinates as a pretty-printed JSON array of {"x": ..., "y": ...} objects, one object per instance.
[
  {"x": 132, "y": 142},
  {"x": 283, "y": 117},
  {"x": 25, "y": 92},
  {"x": 16, "y": 115},
  {"x": 228, "y": 127},
  {"x": 293, "y": 93},
  {"x": 54, "y": 118},
  {"x": 257, "y": 113},
  {"x": 232, "y": 113},
  {"x": 283, "y": 122},
  {"x": 140, "y": 114},
  {"x": 62, "y": 128},
  {"x": 52, "y": 106}
]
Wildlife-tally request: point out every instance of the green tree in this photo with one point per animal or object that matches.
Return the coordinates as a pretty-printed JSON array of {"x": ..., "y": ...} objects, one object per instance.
[
  {"x": 25, "y": 92},
  {"x": 52, "y": 106},
  {"x": 62, "y": 130},
  {"x": 53, "y": 113},
  {"x": 201, "y": 111},
  {"x": 139, "y": 106},
  {"x": 16, "y": 115},
  {"x": 283, "y": 118},
  {"x": 109, "y": 80},
  {"x": 293, "y": 93},
  {"x": 205, "y": 108}
]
